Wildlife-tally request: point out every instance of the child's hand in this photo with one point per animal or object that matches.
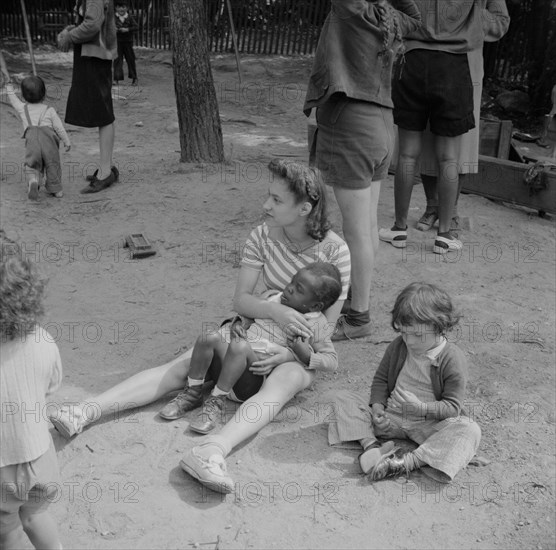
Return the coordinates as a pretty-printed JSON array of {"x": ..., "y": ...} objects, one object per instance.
[
  {"x": 237, "y": 329},
  {"x": 302, "y": 348},
  {"x": 280, "y": 354},
  {"x": 408, "y": 402},
  {"x": 380, "y": 420},
  {"x": 68, "y": 148}
]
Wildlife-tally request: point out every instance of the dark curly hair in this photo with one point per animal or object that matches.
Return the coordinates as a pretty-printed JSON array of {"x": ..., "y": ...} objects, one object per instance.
[
  {"x": 21, "y": 292},
  {"x": 329, "y": 282},
  {"x": 424, "y": 303},
  {"x": 306, "y": 185}
]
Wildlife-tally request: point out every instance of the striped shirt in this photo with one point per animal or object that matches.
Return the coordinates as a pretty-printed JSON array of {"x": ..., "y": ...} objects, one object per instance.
[{"x": 279, "y": 262}]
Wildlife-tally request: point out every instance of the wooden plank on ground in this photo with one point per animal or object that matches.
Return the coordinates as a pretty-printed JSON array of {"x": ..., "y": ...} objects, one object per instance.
[{"x": 503, "y": 180}]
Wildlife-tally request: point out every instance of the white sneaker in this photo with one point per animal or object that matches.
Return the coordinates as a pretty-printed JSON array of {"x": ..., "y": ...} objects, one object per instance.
[
  {"x": 396, "y": 237},
  {"x": 68, "y": 420},
  {"x": 442, "y": 245},
  {"x": 211, "y": 472}
]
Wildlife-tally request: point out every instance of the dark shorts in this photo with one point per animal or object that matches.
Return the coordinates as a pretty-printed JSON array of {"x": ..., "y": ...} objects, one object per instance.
[
  {"x": 434, "y": 87},
  {"x": 90, "y": 96},
  {"x": 353, "y": 143}
]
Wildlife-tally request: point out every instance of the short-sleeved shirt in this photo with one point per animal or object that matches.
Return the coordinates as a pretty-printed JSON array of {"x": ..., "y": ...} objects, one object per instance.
[
  {"x": 279, "y": 262},
  {"x": 30, "y": 369}
]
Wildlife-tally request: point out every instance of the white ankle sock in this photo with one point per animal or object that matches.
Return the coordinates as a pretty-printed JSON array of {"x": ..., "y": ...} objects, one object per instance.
[
  {"x": 216, "y": 391},
  {"x": 194, "y": 381}
]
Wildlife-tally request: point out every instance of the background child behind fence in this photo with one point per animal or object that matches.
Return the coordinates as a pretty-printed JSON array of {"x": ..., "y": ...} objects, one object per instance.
[{"x": 125, "y": 29}]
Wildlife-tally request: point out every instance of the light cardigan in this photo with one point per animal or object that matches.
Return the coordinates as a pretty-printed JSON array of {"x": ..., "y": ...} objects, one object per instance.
[
  {"x": 448, "y": 373},
  {"x": 97, "y": 31}
]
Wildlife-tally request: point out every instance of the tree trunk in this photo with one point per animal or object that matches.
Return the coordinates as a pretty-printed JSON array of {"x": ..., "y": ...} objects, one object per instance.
[
  {"x": 198, "y": 116},
  {"x": 543, "y": 66}
]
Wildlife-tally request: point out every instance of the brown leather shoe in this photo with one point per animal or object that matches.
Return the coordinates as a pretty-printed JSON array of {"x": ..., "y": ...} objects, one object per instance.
[
  {"x": 190, "y": 398},
  {"x": 208, "y": 417},
  {"x": 390, "y": 465},
  {"x": 345, "y": 331}
]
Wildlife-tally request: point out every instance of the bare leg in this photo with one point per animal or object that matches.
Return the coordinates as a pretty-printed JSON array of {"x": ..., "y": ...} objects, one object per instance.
[
  {"x": 106, "y": 136},
  {"x": 447, "y": 150},
  {"x": 207, "y": 348},
  {"x": 12, "y": 540},
  {"x": 410, "y": 150},
  {"x": 285, "y": 381},
  {"x": 238, "y": 357},
  {"x": 144, "y": 387},
  {"x": 429, "y": 186},
  {"x": 461, "y": 183},
  {"x": 356, "y": 206},
  {"x": 42, "y": 530},
  {"x": 375, "y": 194},
  {"x": 206, "y": 462}
]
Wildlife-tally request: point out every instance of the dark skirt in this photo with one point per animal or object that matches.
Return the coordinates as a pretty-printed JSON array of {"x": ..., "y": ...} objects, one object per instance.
[{"x": 90, "y": 96}]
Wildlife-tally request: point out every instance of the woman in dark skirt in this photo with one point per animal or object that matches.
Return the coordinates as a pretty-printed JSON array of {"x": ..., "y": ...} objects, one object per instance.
[{"x": 90, "y": 97}]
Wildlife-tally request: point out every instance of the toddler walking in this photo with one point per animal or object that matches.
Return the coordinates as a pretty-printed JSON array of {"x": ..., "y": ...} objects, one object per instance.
[
  {"x": 43, "y": 130},
  {"x": 30, "y": 369},
  {"x": 417, "y": 393},
  {"x": 229, "y": 356}
]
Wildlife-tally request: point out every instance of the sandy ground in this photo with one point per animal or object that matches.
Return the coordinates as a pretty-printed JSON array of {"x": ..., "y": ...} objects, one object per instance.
[{"x": 113, "y": 317}]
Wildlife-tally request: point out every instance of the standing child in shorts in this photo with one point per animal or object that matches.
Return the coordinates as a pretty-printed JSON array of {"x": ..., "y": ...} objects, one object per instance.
[
  {"x": 350, "y": 88},
  {"x": 30, "y": 369},
  {"x": 417, "y": 393},
  {"x": 312, "y": 290},
  {"x": 125, "y": 29},
  {"x": 43, "y": 130}
]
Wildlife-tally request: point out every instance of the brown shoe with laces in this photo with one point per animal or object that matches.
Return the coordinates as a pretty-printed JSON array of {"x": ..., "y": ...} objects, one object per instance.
[
  {"x": 345, "y": 331},
  {"x": 390, "y": 465},
  {"x": 190, "y": 398},
  {"x": 208, "y": 417}
]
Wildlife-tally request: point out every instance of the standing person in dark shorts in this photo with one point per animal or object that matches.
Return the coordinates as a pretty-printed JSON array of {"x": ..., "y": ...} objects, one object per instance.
[
  {"x": 434, "y": 86},
  {"x": 125, "y": 29},
  {"x": 90, "y": 96}
]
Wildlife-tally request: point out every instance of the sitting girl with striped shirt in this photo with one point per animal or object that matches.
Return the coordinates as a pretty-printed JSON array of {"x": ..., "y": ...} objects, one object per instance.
[{"x": 295, "y": 234}]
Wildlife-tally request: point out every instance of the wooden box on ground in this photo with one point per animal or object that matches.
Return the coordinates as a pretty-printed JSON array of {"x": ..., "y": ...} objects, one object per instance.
[{"x": 503, "y": 180}]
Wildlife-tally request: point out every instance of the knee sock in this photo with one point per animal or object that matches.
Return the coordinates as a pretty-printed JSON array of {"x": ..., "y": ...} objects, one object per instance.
[
  {"x": 194, "y": 382},
  {"x": 412, "y": 462},
  {"x": 357, "y": 318}
]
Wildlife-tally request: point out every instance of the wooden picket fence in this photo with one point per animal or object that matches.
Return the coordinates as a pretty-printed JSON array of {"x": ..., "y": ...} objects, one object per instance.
[{"x": 284, "y": 27}]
